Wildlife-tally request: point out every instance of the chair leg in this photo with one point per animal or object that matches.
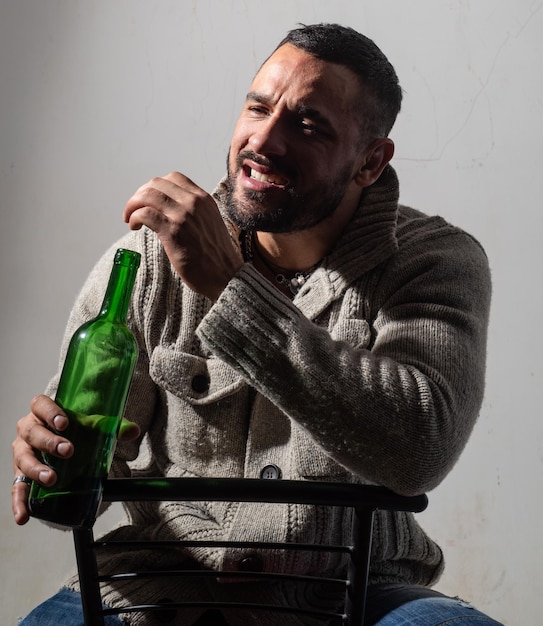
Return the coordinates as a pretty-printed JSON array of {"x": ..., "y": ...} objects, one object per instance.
[
  {"x": 88, "y": 577},
  {"x": 359, "y": 566}
]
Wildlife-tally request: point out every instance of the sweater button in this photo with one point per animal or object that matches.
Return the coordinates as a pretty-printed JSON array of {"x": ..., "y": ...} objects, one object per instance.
[
  {"x": 250, "y": 563},
  {"x": 200, "y": 383},
  {"x": 270, "y": 472}
]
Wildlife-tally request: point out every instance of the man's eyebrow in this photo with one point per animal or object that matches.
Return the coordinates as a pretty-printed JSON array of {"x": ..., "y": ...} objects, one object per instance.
[{"x": 257, "y": 97}]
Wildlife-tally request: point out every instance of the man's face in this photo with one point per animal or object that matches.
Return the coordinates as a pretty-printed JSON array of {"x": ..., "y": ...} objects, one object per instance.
[{"x": 296, "y": 145}]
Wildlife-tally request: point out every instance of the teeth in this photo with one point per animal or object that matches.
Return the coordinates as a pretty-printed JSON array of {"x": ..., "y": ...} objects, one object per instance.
[{"x": 268, "y": 178}]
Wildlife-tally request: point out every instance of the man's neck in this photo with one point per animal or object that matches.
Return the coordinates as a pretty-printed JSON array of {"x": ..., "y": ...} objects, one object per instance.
[
  {"x": 303, "y": 249},
  {"x": 296, "y": 251}
]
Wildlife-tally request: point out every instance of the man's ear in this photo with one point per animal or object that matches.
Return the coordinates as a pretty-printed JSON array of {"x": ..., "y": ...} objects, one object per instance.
[{"x": 374, "y": 159}]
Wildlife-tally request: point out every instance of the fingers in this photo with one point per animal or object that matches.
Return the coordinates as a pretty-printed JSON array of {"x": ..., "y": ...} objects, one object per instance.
[
  {"x": 46, "y": 410},
  {"x": 34, "y": 437},
  {"x": 26, "y": 463},
  {"x": 32, "y": 428},
  {"x": 159, "y": 198},
  {"x": 128, "y": 431},
  {"x": 19, "y": 500},
  {"x": 148, "y": 208}
]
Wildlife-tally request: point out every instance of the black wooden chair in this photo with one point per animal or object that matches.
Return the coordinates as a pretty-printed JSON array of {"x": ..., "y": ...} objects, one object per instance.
[{"x": 362, "y": 500}]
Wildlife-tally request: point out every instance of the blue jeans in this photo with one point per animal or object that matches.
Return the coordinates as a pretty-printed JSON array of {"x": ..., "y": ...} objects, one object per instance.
[
  {"x": 65, "y": 608},
  {"x": 436, "y": 612}
]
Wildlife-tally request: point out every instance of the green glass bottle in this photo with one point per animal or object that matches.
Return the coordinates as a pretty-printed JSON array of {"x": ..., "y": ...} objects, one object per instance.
[{"x": 92, "y": 390}]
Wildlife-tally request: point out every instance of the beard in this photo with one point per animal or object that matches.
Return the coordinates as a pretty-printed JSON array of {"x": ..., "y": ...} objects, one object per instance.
[{"x": 284, "y": 210}]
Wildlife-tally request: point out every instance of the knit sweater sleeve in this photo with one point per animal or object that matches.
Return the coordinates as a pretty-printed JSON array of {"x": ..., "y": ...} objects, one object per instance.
[{"x": 398, "y": 412}]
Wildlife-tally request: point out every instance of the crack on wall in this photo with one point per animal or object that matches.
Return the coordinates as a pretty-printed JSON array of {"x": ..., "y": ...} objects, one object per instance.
[{"x": 476, "y": 98}]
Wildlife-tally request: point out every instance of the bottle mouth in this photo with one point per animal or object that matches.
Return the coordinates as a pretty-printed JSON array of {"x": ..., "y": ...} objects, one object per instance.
[{"x": 127, "y": 258}]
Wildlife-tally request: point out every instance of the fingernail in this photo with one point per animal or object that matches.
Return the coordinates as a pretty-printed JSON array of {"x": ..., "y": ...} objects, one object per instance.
[
  {"x": 63, "y": 448},
  {"x": 60, "y": 422},
  {"x": 43, "y": 476}
]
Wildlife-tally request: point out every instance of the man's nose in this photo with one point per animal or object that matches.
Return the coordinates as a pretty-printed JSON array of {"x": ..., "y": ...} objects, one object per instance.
[{"x": 269, "y": 137}]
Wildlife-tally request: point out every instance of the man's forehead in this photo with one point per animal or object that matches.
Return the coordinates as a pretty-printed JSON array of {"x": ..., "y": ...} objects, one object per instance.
[
  {"x": 292, "y": 70},
  {"x": 286, "y": 62}
]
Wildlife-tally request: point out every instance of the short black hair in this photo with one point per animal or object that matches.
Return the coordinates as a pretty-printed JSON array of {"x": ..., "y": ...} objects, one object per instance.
[{"x": 345, "y": 46}]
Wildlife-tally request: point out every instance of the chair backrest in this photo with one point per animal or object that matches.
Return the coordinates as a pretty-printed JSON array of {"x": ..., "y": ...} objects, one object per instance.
[{"x": 363, "y": 500}]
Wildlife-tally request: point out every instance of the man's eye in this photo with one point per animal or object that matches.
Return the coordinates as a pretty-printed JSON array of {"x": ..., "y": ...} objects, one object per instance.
[
  {"x": 257, "y": 109},
  {"x": 309, "y": 128}
]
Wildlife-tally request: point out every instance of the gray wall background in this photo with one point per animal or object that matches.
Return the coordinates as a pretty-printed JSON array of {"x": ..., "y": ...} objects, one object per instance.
[{"x": 98, "y": 97}]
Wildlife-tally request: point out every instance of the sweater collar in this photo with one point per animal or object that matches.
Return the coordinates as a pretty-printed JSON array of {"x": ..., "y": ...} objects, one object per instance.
[{"x": 370, "y": 237}]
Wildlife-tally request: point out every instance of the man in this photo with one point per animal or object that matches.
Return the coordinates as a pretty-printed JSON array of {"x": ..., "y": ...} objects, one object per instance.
[{"x": 298, "y": 318}]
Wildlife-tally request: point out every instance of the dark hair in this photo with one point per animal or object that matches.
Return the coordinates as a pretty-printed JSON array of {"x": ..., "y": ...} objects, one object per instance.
[{"x": 347, "y": 47}]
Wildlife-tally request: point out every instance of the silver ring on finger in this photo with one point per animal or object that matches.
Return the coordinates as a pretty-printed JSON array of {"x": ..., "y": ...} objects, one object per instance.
[{"x": 22, "y": 479}]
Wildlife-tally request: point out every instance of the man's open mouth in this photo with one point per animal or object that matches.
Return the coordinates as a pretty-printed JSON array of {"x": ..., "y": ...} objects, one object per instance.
[{"x": 271, "y": 179}]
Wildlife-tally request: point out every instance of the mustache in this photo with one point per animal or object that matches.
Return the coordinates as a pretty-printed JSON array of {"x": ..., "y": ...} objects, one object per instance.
[{"x": 276, "y": 165}]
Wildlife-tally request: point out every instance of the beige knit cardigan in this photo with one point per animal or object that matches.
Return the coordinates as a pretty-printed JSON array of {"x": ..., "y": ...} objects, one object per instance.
[{"x": 374, "y": 373}]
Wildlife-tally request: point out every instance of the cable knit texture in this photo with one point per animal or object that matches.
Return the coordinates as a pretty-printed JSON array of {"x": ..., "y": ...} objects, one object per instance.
[{"x": 373, "y": 374}]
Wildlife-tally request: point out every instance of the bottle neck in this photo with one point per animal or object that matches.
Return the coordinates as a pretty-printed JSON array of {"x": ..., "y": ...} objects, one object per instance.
[{"x": 119, "y": 289}]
